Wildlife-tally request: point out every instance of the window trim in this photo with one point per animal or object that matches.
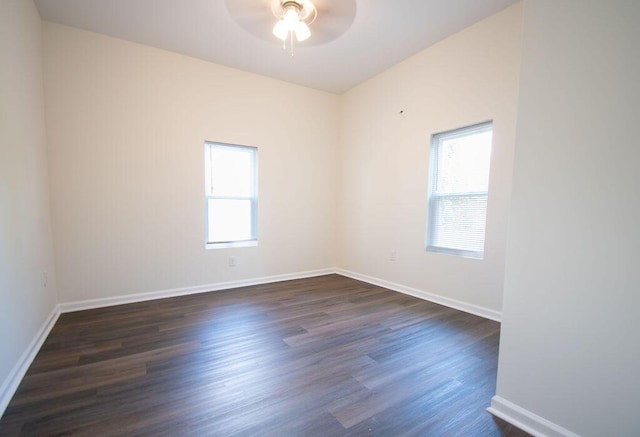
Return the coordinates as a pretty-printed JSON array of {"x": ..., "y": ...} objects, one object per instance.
[
  {"x": 434, "y": 197},
  {"x": 208, "y": 149}
]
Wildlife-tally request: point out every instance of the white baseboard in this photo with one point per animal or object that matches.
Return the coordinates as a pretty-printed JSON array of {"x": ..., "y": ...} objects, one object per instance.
[
  {"x": 452, "y": 303},
  {"x": 141, "y": 297},
  {"x": 526, "y": 420},
  {"x": 11, "y": 383}
]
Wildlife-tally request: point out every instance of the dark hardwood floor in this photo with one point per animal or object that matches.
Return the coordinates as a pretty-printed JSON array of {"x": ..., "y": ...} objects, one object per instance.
[{"x": 326, "y": 356}]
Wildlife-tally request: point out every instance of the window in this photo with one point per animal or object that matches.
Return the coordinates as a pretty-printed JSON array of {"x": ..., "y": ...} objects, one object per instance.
[
  {"x": 458, "y": 189},
  {"x": 230, "y": 195}
]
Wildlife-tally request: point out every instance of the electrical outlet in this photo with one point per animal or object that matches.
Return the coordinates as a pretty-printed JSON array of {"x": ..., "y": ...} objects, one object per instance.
[
  {"x": 45, "y": 278},
  {"x": 393, "y": 255},
  {"x": 233, "y": 261}
]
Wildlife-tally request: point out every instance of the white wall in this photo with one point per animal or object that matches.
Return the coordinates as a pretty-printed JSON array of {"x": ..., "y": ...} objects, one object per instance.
[
  {"x": 384, "y": 157},
  {"x": 570, "y": 348},
  {"x": 126, "y": 126},
  {"x": 25, "y": 233}
]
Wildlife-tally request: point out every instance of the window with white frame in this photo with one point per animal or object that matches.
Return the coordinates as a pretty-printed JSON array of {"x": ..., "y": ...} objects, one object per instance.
[
  {"x": 231, "y": 195},
  {"x": 458, "y": 190}
]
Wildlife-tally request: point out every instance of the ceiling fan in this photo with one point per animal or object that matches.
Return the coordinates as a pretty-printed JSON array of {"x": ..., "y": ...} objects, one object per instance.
[{"x": 311, "y": 22}]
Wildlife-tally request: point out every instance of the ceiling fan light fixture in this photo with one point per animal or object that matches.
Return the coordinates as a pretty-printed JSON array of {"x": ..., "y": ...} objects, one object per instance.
[{"x": 294, "y": 17}]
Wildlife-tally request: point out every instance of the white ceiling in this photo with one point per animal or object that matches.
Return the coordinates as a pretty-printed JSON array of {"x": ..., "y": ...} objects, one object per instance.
[{"x": 383, "y": 33}]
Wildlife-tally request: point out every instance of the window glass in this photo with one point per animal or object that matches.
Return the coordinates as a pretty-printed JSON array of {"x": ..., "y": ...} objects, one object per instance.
[
  {"x": 458, "y": 191},
  {"x": 232, "y": 172},
  {"x": 230, "y": 194},
  {"x": 463, "y": 163},
  {"x": 229, "y": 220}
]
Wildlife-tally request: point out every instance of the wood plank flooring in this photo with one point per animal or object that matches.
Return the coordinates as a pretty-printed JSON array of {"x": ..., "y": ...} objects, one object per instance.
[{"x": 326, "y": 356}]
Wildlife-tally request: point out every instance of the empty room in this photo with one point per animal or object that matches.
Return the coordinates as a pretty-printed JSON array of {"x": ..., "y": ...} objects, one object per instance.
[{"x": 319, "y": 217}]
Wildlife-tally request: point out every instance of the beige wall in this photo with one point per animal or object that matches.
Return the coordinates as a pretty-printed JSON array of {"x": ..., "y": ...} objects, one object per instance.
[
  {"x": 570, "y": 349},
  {"x": 126, "y": 127},
  {"x": 384, "y": 157},
  {"x": 25, "y": 234}
]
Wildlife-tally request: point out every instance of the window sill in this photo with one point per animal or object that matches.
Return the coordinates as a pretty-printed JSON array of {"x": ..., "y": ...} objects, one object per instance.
[
  {"x": 455, "y": 252},
  {"x": 231, "y": 244}
]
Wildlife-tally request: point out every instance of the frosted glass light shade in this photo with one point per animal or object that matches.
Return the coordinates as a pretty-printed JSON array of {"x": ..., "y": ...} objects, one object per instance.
[
  {"x": 302, "y": 31},
  {"x": 291, "y": 17},
  {"x": 281, "y": 30}
]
